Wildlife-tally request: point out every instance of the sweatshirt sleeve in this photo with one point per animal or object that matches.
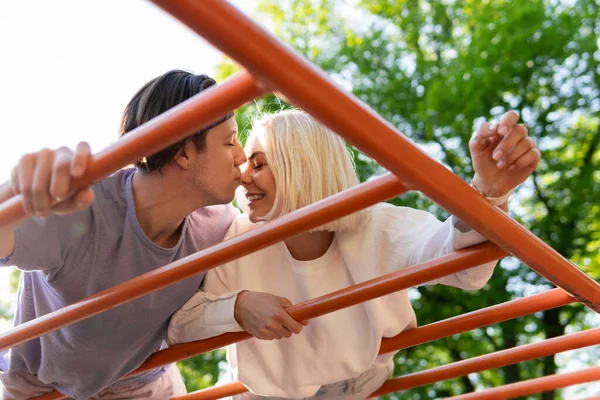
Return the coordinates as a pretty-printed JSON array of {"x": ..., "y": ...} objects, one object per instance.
[
  {"x": 422, "y": 237},
  {"x": 210, "y": 311},
  {"x": 203, "y": 316}
]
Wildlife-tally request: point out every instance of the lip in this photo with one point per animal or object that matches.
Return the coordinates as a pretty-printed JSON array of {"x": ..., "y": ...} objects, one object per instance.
[{"x": 252, "y": 194}]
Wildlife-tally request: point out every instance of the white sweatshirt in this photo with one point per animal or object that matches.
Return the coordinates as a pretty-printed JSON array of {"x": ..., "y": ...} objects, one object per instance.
[{"x": 340, "y": 345}]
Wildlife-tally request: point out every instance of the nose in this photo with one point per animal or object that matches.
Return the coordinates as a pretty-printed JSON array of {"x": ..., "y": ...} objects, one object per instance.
[
  {"x": 246, "y": 178},
  {"x": 240, "y": 156}
]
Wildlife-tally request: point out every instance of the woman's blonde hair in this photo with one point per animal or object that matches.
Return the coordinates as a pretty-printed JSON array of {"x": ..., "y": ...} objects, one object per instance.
[{"x": 309, "y": 163}]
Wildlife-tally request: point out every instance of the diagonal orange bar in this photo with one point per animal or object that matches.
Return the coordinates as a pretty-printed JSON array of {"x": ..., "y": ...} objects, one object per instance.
[
  {"x": 329, "y": 209},
  {"x": 537, "y": 385},
  {"x": 498, "y": 359},
  {"x": 309, "y": 88},
  {"x": 462, "y": 323},
  {"x": 162, "y": 131}
]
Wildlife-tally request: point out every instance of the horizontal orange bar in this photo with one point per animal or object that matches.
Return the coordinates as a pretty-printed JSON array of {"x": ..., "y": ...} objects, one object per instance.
[
  {"x": 309, "y": 88},
  {"x": 462, "y": 323},
  {"x": 497, "y": 359},
  {"x": 162, "y": 131},
  {"x": 537, "y": 385}
]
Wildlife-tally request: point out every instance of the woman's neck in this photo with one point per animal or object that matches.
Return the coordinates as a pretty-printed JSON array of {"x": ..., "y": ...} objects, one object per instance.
[{"x": 310, "y": 245}]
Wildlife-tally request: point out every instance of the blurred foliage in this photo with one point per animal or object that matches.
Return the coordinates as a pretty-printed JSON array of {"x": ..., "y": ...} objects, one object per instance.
[{"x": 436, "y": 70}]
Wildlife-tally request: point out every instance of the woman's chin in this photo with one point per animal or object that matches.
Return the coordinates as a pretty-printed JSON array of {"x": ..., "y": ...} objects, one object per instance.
[{"x": 253, "y": 217}]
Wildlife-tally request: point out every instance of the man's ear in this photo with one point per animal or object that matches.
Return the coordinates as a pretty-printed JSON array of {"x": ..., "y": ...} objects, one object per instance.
[{"x": 181, "y": 158}]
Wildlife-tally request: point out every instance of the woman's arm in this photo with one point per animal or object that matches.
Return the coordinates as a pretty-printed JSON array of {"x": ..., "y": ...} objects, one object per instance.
[
  {"x": 215, "y": 310},
  {"x": 436, "y": 239},
  {"x": 203, "y": 316},
  {"x": 503, "y": 157}
]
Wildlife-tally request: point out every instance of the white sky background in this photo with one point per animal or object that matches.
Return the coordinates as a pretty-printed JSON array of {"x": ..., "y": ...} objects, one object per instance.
[{"x": 69, "y": 67}]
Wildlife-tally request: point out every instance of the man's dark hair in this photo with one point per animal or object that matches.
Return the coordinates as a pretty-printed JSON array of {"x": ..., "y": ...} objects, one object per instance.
[{"x": 156, "y": 97}]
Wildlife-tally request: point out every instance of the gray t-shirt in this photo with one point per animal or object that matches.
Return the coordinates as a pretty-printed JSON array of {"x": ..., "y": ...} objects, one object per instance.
[{"x": 67, "y": 258}]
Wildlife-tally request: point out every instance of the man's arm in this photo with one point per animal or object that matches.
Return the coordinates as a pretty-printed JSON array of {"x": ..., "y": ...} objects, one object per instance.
[
  {"x": 7, "y": 234},
  {"x": 42, "y": 179}
]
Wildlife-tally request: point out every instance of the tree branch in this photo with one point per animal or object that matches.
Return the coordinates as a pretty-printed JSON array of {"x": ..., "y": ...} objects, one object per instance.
[{"x": 469, "y": 387}]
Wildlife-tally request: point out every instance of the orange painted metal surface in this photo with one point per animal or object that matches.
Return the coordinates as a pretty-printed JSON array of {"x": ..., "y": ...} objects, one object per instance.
[
  {"x": 309, "y": 88},
  {"x": 462, "y": 323},
  {"x": 51, "y": 396},
  {"x": 477, "y": 319},
  {"x": 316, "y": 214},
  {"x": 162, "y": 131},
  {"x": 494, "y": 360},
  {"x": 215, "y": 392},
  {"x": 536, "y": 385}
]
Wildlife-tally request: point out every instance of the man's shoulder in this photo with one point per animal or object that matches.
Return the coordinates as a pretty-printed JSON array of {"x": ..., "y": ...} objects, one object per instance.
[{"x": 113, "y": 187}]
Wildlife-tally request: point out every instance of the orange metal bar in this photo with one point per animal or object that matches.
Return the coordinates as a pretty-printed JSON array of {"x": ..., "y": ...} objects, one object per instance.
[
  {"x": 309, "y": 88},
  {"x": 462, "y": 323},
  {"x": 495, "y": 360},
  {"x": 316, "y": 214},
  {"x": 51, "y": 396},
  {"x": 536, "y": 385},
  {"x": 399, "y": 280},
  {"x": 477, "y": 319},
  {"x": 215, "y": 392},
  {"x": 162, "y": 131}
]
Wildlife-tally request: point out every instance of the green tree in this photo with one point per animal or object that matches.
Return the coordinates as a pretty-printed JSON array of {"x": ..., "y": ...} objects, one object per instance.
[{"x": 436, "y": 70}]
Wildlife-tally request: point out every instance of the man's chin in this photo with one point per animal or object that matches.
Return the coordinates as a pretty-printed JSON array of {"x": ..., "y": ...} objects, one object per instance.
[{"x": 227, "y": 199}]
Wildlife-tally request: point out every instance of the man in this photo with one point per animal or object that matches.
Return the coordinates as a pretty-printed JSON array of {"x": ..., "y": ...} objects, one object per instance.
[{"x": 173, "y": 204}]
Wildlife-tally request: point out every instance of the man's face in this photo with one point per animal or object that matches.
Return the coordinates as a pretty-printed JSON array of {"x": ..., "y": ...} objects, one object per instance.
[{"x": 216, "y": 169}]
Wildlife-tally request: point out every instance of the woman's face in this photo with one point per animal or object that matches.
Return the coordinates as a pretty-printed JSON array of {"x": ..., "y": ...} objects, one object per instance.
[{"x": 258, "y": 181}]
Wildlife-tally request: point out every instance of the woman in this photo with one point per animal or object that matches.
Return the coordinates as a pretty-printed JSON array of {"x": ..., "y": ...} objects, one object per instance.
[{"x": 294, "y": 161}]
